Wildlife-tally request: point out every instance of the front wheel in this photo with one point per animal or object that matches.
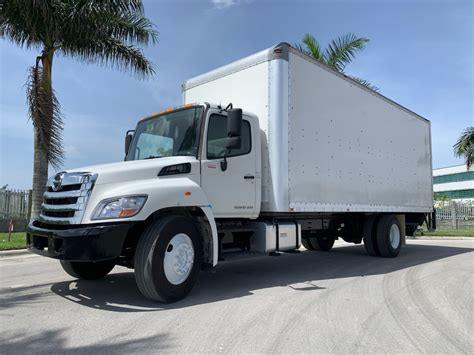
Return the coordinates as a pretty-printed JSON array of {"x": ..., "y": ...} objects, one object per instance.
[
  {"x": 88, "y": 270},
  {"x": 168, "y": 259}
]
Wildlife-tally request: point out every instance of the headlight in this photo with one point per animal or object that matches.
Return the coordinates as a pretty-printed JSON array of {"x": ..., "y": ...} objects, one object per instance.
[{"x": 120, "y": 207}]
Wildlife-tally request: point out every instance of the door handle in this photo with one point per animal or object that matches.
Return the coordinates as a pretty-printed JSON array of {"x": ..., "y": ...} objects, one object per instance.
[{"x": 249, "y": 177}]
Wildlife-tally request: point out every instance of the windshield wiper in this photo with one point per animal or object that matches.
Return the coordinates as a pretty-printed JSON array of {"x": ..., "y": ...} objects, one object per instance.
[{"x": 153, "y": 157}]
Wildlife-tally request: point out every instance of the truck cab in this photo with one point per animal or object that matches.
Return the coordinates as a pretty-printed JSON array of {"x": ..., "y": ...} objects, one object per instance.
[{"x": 229, "y": 176}]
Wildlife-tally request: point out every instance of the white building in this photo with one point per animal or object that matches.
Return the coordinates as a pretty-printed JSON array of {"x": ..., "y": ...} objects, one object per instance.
[{"x": 454, "y": 183}]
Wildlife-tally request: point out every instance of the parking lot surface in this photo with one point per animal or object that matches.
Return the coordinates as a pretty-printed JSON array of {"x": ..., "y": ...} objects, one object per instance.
[{"x": 338, "y": 302}]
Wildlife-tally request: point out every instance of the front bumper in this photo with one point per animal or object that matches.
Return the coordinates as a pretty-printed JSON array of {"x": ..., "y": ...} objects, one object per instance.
[{"x": 78, "y": 243}]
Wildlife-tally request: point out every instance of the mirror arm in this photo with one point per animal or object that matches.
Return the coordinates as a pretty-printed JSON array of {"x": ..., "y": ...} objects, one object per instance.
[{"x": 224, "y": 162}]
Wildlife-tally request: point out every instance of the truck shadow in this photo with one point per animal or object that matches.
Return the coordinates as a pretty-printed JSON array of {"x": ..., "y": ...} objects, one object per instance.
[{"x": 118, "y": 292}]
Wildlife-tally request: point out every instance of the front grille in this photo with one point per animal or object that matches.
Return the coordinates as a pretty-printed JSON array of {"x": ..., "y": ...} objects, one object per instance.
[
  {"x": 60, "y": 201},
  {"x": 66, "y": 202},
  {"x": 65, "y": 188}
]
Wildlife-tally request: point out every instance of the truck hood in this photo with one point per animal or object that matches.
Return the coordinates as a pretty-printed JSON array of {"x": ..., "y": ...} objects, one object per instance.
[{"x": 134, "y": 170}]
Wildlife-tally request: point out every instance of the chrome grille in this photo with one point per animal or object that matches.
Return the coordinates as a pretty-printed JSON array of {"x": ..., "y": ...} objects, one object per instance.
[
  {"x": 65, "y": 199},
  {"x": 66, "y": 188}
]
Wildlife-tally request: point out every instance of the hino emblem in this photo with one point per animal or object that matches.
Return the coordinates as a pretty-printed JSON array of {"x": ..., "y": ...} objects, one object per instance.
[{"x": 57, "y": 182}]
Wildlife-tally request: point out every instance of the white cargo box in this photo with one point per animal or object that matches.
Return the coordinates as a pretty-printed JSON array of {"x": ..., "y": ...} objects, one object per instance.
[{"x": 329, "y": 144}]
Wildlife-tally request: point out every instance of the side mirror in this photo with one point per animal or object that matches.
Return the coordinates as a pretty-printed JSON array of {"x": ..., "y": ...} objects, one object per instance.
[
  {"x": 128, "y": 140},
  {"x": 233, "y": 143},
  {"x": 234, "y": 129}
]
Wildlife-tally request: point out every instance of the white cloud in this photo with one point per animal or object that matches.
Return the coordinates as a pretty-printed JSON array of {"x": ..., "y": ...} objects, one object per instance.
[{"x": 224, "y": 4}]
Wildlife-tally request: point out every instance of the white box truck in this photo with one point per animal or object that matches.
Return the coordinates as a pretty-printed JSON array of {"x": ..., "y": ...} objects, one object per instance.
[{"x": 268, "y": 153}]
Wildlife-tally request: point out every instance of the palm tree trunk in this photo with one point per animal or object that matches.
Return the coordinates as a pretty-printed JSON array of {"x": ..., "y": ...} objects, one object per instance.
[
  {"x": 40, "y": 177},
  {"x": 40, "y": 163}
]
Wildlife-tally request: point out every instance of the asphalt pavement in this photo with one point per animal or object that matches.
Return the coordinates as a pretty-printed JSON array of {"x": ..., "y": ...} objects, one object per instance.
[{"x": 313, "y": 302}]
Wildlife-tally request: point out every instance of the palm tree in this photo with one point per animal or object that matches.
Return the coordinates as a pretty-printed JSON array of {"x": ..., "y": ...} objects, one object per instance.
[
  {"x": 464, "y": 147},
  {"x": 338, "y": 53},
  {"x": 93, "y": 31}
]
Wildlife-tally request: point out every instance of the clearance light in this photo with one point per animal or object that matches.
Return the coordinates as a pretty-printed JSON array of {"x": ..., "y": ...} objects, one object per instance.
[{"x": 166, "y": 110}]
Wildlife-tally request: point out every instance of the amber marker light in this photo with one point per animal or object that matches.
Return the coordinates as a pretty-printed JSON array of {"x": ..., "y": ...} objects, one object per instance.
[
  {"x": 127, "y": 212},
  {"x": 188, "y": 193}
]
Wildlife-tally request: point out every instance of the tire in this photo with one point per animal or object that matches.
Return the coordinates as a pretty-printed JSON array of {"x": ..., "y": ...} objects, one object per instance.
[
  {"x": 159, "y": 279},
  {"x": 389, "y": 238},
  {"x": 306, "y": 243},
  {"x": 88, "y": 270},
  {"x": 322, "y": 243},
  {"x": 370, "y": 236}
]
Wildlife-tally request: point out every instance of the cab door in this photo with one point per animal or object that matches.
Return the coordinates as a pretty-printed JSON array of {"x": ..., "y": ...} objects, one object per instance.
[{"x": 232, "y": 190}]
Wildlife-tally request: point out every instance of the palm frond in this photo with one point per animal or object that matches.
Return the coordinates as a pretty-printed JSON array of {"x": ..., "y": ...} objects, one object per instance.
[
  {"x": 365, "y": 83},
  {"x": 464, "y": 146},
  {"x": 469, "y": 157},
  {"x": 342, "y": 50},
  {"x": 122, "y": 6},
  {"x": 113, "y": 52},
  {"x": 313, "y": 48},
  {"x": 132, "y": 28},
  {"x": 104, "y": 34},
  {"x": 45, "y": 113},
  {"x": 301, "y": 48},
  {"x": 128, "y": 27},
  {"x": 25, "y": 23}
]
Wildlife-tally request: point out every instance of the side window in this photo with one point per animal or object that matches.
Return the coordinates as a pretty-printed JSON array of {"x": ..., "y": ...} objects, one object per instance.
[{"x": 216, "y": 137}]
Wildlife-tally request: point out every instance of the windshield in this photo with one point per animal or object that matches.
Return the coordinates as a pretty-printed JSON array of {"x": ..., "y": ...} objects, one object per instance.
[{"x": 172, "y": 134}]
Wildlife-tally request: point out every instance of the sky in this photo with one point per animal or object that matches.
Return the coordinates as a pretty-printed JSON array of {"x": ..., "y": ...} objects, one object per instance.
[{"x": 420, "y": 55}]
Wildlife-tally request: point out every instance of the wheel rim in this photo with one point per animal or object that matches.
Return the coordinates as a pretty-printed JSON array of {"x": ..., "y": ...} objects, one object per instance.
[
  {"x": 394, "y": 236},
  {"x": 179, "y": 259}
]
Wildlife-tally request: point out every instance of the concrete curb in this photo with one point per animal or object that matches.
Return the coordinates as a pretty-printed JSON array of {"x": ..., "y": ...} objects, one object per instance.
[
  {"x": 8, "y": 253},
  {"x": 439, "y": 238}
]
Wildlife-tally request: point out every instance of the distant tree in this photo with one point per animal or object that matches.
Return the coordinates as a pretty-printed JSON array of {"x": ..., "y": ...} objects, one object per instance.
[
  {"x": 338, "y": 54},
  {"x": 92, "y": 31},
  {"x": 440, "y": 199},
  {"x": 464, "y": 147}
]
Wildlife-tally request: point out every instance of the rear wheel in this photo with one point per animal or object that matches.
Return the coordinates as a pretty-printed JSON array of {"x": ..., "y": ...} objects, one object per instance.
[
  {"x": 322, "y": 243},
  {"x": 168, "y": 259},
  {"x": 389, "y": 238},
  {"x": 88, "y": 270},
  {"x": 370, "y": 236},
  {"x": 306, "y": 243}
]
